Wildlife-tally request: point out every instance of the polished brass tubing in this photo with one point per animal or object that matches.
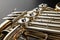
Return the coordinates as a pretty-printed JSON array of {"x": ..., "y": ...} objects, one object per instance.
[
  {"x": 5, "y": 24},
  {"x": 22, "y": 15},
  {"x": 53, "y": 37},
  {"x": 11, "y": 33},
  {"x": 19, "y": 33},
  {"x": 44, "y": 29},
  {"x": 36, "y": 34}
]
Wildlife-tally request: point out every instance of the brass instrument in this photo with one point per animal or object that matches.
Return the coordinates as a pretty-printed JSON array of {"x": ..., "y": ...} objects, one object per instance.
[{"x": 41, "y": 23}]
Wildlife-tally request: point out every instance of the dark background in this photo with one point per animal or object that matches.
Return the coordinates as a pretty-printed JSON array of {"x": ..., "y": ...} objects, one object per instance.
[{"x": 6, "y": 6}]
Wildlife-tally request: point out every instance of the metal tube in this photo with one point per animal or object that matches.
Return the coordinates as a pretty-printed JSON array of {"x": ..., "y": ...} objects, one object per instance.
[
  {"x": 44, "y": 29},
  {"x": 5, "y": 24}
]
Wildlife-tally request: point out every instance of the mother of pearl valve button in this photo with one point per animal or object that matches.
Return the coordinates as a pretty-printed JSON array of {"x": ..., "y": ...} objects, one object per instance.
[
  {"x": 23, "y": 20},
  {"x": 31, "y": 14},
  {"x": 43, "y": 5},
  {"x": 35, "y": 9}
]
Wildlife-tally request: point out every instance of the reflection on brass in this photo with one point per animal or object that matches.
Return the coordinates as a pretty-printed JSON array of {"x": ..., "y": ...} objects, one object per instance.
[
  {"x": 41, "y": 23},
  {"x": 36, "y": 34}
]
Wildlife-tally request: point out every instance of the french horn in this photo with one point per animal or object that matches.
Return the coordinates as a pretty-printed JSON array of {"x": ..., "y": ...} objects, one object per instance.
[{"x": 40, "y": 23}]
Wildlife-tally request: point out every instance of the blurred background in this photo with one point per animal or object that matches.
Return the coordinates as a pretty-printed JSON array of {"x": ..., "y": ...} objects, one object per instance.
[{"x": 7, "y": 6}]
